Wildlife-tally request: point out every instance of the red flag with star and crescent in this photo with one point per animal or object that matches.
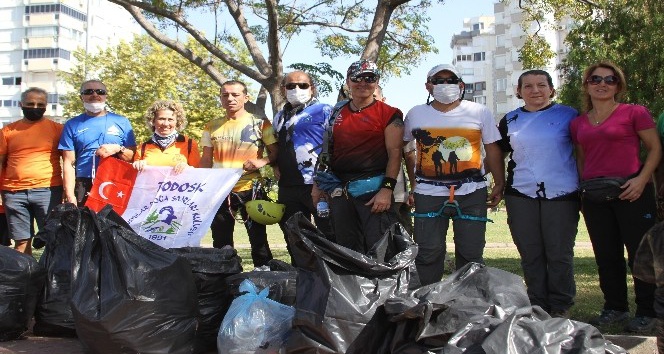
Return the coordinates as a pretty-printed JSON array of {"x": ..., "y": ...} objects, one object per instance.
[{"x": 113, "y": 184}]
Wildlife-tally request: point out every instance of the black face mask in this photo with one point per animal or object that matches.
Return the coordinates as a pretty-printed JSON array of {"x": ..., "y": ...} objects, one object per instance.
[{"x": 33, "y": 114}]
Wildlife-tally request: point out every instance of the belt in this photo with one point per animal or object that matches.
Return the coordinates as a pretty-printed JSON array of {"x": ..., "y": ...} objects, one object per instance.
[{"x": 456, "y": 184}]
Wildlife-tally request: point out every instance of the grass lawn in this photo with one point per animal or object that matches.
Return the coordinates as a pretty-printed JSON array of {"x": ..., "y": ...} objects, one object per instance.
[{"x": 501, "y": 254}]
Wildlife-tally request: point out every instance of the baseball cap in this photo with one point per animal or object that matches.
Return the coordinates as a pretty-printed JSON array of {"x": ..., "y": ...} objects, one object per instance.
[
  {"x": 440, "y": 67},
  {"x": 362, "y": 67}
]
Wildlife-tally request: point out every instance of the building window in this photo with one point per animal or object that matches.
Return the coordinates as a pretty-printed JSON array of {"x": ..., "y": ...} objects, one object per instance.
[
  {"x": 53, "y": 98},
  {"x": 480, "y": 99},
  {"x": 38, "y": 53},
  {"x": 479, "y": 56},
  {"x": 501, "y": 84},
  {"x": 55, "y": 8},
  {"x": 480, "y": 86},
  {"x": 464, "y": 57},
  {"x": 11, "y": 81},
  {"x": 7, "y": 103},
  {"x": 478, "y": 26}
]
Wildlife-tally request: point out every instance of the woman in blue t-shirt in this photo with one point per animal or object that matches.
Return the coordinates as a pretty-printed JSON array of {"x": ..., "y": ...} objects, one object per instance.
[{"x": 541, "y": 192}]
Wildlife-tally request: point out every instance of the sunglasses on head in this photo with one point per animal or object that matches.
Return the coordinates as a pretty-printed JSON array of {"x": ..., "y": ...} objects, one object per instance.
[
  {"x": 293, "y": 85},
  {"x": 368, "y": 79},
  {"x": 443, "y": 80},
  {"x": 87, "y": 92},
  {"x": 610, "y": 80}
]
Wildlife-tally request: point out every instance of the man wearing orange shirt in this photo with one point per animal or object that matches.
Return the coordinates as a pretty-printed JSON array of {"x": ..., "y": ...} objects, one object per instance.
[{"x": 30, "y": 161}]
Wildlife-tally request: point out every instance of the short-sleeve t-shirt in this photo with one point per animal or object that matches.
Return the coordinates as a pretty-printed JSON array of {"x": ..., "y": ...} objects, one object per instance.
[
  {"x": 611, "y": 149},
  {"x": 182, "y": 150},
  {"x": 31, "y": 154},
  {"x": 450, "y": 145},
  {"x": 358, "y": 141},
  {"x": 84, "y": 134},
  {"x": 234, "y": 141},
  {"x": 542, "y": 163}
]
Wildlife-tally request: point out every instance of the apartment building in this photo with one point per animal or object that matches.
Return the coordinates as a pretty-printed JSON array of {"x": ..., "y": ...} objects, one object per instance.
[
  {"x": 487, "y": 53},
  {"x": 38, "y": 39}
]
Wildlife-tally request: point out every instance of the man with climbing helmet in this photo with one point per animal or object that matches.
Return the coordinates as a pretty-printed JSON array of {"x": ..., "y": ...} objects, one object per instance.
[{"x": 453, "y": 137}]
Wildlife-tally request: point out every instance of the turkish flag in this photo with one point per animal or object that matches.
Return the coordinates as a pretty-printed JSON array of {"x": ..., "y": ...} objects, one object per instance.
[{"x": 113, "y": 184}]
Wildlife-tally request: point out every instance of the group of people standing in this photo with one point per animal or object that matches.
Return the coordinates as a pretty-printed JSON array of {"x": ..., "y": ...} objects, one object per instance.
[{"x": 352, "y": 154}]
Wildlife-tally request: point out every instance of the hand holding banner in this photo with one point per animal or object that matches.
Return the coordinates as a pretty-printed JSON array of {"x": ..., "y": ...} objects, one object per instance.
[{"x": 171, "y": 210}]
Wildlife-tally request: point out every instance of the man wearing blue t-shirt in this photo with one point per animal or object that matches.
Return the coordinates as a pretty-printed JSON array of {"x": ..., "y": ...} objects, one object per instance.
[{"x": 90, "y": 137}]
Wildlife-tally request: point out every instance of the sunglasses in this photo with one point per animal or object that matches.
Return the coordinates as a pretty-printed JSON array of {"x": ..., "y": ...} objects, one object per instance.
[
  {"x": 610, "y": 80},
  {"x": 293, "y": 85},
  {"x": 443, "y": 80},
  {"x": 368, "y": 79},
  {"x": 87, "y": 92}
]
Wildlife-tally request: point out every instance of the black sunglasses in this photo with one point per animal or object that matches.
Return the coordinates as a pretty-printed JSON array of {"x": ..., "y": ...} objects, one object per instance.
[
  {"x": 368, "y": 79},
  {"x": 610, "y": 80},
  {"x": 443, "y": 80},
  {"x": 293, "y": 85},
  {"x": 100, "y": 92}
]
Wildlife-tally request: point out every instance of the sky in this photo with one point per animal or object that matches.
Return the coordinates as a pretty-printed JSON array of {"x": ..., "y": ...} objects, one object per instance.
[{"x": 408, "y": 91}]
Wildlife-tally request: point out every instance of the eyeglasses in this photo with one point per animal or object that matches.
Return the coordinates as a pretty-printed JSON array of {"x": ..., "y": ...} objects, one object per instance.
[
  {"x": 443, "y": 80},
  {"x": 293, "y": 85},
  {"x": 610, "y": 80},
  {"x": 368, "y": 79},
  {"x": 88, "y": 92}
]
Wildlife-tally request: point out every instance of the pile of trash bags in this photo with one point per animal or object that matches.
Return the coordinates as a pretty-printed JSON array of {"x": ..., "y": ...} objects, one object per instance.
[{"x": 120, "y": 293}]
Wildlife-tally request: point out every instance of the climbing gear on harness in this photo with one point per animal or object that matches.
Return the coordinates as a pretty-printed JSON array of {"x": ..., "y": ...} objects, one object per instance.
[{"x": 451, "y": 210}]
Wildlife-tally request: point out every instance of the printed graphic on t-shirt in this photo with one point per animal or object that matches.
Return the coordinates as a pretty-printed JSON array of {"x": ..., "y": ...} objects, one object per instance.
[{"x": 447, "y": 153}]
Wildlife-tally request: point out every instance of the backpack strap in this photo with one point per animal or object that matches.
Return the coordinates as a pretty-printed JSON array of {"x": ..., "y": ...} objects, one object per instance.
[
  {"x": 143, "y": 150},
  {"x": 189, "y": 143},
  {"x": 323, "y": 163}
]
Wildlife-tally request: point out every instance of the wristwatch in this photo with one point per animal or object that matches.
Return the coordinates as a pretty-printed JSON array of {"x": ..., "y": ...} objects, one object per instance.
[{"x": 122, "y": 149}]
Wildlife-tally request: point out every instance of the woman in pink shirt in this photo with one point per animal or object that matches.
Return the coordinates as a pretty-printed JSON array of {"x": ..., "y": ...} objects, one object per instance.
[{"x": 608, "y": 139}]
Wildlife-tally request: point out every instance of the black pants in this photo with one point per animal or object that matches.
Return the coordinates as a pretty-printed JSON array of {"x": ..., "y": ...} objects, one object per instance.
[
  {"x": 223, "y": 226},
  {"x": 81, "y": 190},
  {"x": 355, "y": 226},
  {"x": 611, "y": 227},
  {"x": 298, "y": 199}
]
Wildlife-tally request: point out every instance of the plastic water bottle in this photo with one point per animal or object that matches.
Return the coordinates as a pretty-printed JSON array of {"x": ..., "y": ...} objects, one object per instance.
[{"x": 323, "y": 208}]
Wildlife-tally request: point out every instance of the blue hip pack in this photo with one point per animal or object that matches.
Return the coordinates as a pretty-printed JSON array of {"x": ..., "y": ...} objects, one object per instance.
[{"x": 364, "y": 186}]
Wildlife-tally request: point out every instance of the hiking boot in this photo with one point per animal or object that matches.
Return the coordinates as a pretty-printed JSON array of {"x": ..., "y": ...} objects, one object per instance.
[
  {"x": 608, "y": 317},
  {"x": 641, "y": 324},
  {"x": 559, "y": 313}
]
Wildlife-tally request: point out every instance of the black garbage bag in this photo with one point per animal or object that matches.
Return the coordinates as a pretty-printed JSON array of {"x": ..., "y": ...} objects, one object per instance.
[
  {"x": 130, "y": 295},
  {"x": 480, "y": 309},
  {"x": 211, "y": 267},
  {"x": 21, "y": 282},
  {"x": 53, "y": 317},
  {"x": 340, "y": 292},
  {"x": 277, "y": 275}
]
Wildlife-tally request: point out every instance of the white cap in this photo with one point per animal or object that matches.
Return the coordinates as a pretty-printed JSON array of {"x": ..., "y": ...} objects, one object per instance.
[{"x": 440, "y": 67}]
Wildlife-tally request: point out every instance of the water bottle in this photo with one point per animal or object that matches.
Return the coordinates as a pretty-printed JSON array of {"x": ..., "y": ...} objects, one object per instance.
[{"x": 323, "y": 208}]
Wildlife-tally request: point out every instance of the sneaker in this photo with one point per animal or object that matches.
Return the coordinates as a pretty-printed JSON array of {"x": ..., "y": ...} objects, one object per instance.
[
  {"x": 608, "y": 317},
  {"x": 559, "y": 314},
  {"x": 641, "y": 324}
]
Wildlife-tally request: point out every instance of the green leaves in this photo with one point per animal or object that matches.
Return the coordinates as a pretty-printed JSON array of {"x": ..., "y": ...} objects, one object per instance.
[{"x": 143, "y": 71}]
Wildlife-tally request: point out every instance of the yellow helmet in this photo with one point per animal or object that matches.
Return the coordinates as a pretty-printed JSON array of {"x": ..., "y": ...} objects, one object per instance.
[{"x": 264, "y": 211}]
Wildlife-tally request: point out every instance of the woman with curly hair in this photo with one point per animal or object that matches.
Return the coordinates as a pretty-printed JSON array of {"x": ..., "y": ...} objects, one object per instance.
[
  {"x": 608, "y": 140},
  {"x": 167, "y": 147}
]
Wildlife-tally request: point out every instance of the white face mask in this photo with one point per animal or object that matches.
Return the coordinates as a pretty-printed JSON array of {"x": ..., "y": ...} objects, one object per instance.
[
  {"x": 446, "y": 93},
  {"x": 298, "y": 96},
  {"x": 94, "y": 107}
]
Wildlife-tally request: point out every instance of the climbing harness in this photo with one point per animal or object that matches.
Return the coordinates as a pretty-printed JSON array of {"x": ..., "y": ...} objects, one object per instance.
[{"x": 451, "y": 210}]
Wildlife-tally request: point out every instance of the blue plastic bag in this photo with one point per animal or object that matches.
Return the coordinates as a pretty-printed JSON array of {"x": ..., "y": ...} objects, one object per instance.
[{"x": 254, "y": 323}]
